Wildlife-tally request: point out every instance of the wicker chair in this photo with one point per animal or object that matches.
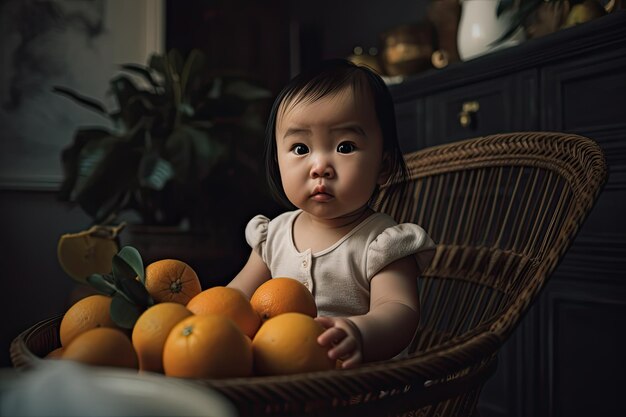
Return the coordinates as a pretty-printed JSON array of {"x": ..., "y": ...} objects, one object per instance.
[{"x": 503, "y": 210}]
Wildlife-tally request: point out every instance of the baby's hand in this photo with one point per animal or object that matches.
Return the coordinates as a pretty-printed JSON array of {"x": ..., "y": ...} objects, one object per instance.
[{"x": 345, "y": 339}]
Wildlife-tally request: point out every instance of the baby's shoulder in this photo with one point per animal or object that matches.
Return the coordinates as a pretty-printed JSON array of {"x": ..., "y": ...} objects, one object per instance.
[
  {"x": 260, "y": 226},
  {"x": 387, "y": 232},
  {"x": 396, "y": 241}
]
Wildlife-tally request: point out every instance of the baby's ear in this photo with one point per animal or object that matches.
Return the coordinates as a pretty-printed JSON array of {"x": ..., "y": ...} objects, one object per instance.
[{"x": 385, "y": 170}]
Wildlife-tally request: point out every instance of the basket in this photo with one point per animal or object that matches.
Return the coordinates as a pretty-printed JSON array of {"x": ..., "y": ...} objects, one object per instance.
[
  {"x": 503, "y": 210},
  {"x": 391, "y": 388}
]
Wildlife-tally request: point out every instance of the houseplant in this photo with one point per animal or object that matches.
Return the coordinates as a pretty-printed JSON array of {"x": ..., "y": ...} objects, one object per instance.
[
  {"x": 540, "y": 17},
  {"x": 178, "y": 137}
]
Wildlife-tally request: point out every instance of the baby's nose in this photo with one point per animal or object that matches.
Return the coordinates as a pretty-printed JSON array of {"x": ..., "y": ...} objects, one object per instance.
[{"x": 322, "y": 169}]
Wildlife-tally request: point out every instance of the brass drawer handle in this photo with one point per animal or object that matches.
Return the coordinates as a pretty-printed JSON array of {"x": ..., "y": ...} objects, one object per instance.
[{"x": 468, "y": 110}]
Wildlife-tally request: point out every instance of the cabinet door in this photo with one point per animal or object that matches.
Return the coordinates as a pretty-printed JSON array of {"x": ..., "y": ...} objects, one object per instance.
[
  {"x": 410, "y": 125},
  {"x": 505, "y": 104},
  {"x": 584, "y": 306}
]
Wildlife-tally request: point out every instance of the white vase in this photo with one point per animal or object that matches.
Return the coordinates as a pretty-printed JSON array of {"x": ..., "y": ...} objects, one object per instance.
[{"x": 479, "y": 27}]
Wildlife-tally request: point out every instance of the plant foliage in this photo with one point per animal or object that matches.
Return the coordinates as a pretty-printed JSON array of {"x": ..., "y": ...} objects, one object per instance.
[
  {"x": 126, "y": 284},
  {"x": 174, "y": 134},
  {"x": 522, "y": 10}
]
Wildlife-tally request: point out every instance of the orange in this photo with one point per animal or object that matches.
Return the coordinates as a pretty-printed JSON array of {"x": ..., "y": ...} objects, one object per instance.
[
  {"x": 209, "y": 346},
  {"x": 228, "y": 302},
  {"x": 283, "y": 295},
  {"x": 87, "y": 313},
  {"x": 151, "y": 331},
  {"x": 102, "y": 346},
  {"x": 287, "y": 344},
  {"x": 55, "y": 353},
  {"x": 172, "y": 280}
]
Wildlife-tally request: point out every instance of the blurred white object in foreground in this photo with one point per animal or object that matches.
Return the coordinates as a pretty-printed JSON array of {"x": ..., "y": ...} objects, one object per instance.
[{"x": 64, "y": 388}]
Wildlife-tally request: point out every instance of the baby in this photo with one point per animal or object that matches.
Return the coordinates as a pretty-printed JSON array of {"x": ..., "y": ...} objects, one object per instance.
[{"x": 331, "y": 142}]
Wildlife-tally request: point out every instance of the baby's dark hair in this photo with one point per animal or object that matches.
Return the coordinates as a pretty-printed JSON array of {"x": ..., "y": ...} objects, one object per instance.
[{"x": 327, "y": 78}]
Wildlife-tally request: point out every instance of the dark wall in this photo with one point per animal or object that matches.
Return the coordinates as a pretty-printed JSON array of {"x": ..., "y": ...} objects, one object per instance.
[
  {"x": 243, "y": 36},
  {"x": 34, "y": 287},
  {"x": 339, "y": 26},
  {"x": 272, "y": 40}
]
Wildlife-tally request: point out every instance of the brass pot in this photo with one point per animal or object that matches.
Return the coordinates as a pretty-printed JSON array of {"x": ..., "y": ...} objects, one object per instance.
[{"x": 407, "y": 49}]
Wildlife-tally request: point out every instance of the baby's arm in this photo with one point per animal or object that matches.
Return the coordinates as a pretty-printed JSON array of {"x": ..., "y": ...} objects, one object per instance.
[
  {"x": 253, "y": 274},
  {"x": 389, "y": 325}
]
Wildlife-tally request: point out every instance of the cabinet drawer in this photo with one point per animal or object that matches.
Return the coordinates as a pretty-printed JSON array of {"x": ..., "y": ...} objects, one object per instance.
[
  {"x": 586, "y": 95},
  {"x": 505, "y": 104}
]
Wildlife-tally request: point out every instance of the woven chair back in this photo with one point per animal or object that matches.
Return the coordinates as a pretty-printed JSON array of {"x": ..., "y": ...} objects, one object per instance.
[{"x": 503, "y": 210}]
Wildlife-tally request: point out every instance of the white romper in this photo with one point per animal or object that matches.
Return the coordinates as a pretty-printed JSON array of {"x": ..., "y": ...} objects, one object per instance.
[{"x": 339, "y": 276}]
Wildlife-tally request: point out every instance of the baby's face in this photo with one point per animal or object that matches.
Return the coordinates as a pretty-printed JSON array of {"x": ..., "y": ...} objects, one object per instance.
[{"x": 330, "y": 153}]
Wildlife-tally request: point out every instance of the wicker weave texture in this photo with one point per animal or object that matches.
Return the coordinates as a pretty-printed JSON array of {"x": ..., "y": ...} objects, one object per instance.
[{"x": 503, "y": 210}]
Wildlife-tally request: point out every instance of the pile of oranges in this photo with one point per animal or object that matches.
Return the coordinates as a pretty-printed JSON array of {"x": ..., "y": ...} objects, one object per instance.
[{"x": 195, "y": 333}]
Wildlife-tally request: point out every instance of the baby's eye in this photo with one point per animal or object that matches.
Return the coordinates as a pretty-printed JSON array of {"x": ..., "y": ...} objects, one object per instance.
[
  {"x": 300, "y": 149},
  {"x": 345, "y": 147}
]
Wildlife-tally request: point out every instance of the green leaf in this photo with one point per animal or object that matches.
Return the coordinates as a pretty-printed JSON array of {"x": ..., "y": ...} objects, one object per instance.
[
  {"x": 88, "y": 160},
  {"x": 136, "y": 292},
  {"x": 103, "y": 283},
  {"x": 132, "y": 258},
  {"x": 194, "y": 153},
  {"x": 102, "y": 193},
  {"x": 126, "y": 94},
  {"x": 175, "y": 61},
  {"x": 121, "y": 270},
  {"x": 519, "y": 17},
  {"x": 194, "y": 67},
  {"x": 123, "y": 312},
  {"x": 154, "y": 172},
  {"x": 503, "y": 5},
  {"x": 142, "y": 71},
  {"x": 71, "y": 157},
  {"x": 156, "y": 62},
  {"x": 85, "y": 101}
]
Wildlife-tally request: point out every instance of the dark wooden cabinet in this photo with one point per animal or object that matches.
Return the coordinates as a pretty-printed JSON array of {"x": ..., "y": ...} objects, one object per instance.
[{"x": 567, "y": 356}]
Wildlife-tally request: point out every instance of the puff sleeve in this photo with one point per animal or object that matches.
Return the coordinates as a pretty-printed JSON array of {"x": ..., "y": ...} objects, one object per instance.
[
  {"x": 256, "y": 234},
  {"x": 396, "y": 242}
]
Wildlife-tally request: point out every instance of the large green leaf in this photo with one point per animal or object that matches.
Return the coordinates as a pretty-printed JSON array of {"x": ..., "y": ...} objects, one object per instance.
[
  {"x": 137, "y": 293},
  {"x": 122, "y": 270},
  {"x": 175, "y": 62},
  {"x": 92, "y": 154},
  {"x": 126, "y": 92},
  {"x": 178, "y": 151},
  {"x": 193, "y": 153},
  {"x": 70, "y": 158},
  {"x": 154, "y": 172},
  {"x": 158, "y": 64},
  {"x": 103, "y": 283},
  {"x": 143, "y": 71},
  {"x": 503, "y": 5},
  {"x": 173, "y": 67},
  {"x": 132, "y": 258},
  {"x": 85, "y": 101},
  {"x": 123, "y": 312},
  {"x": 520, "y": 15},
  {"x": 103, "y": 190},
  {"x": 194, "y": 68},
  {"x": 110, "y": 181}
]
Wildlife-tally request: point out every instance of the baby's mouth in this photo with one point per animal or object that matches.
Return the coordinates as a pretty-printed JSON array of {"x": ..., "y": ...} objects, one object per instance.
[{"x": 320, "y": 194}]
